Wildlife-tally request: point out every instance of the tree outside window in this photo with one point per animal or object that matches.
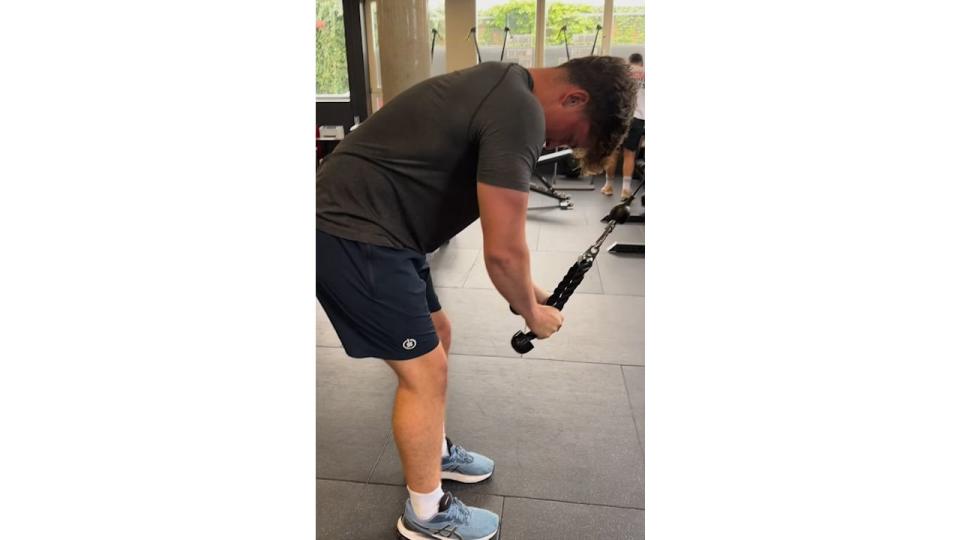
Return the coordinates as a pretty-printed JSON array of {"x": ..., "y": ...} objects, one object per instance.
[
  {"x": 331, "y": 71},
  {"x": 629, "y": 28}
]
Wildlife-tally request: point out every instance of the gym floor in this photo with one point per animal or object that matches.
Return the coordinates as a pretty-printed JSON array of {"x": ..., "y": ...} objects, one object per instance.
[{"x": 564, "y": 423}]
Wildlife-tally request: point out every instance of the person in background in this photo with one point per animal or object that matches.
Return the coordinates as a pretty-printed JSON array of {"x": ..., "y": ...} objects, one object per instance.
[{"x": 634, "y": 140}]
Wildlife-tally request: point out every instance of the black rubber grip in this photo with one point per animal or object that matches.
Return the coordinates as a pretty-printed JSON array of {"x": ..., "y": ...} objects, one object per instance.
[{"x": 522, "y": 342}]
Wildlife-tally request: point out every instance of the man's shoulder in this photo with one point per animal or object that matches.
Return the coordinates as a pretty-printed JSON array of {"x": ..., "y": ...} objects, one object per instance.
[
  {"x": 498, "y": 72},
  {"x": 513, "y": 94}
]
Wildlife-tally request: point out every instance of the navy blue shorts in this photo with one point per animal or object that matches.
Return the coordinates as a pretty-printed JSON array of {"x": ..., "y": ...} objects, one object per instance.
[
  {"x": 379, "y": 299},
  {"x": 632, "y": 140}
]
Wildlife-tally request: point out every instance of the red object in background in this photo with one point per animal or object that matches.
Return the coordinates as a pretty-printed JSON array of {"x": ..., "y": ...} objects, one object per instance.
[{"x": 321, "y": 24}]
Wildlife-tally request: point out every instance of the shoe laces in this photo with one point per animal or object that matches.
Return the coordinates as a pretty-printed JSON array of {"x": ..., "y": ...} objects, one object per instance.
[
  {"x": 458, "y": 511},
  {"x": 458, "y": 454}
]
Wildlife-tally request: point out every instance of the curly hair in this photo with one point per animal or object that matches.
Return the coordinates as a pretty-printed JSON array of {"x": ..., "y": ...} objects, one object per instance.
[{"x": 613, "y": 96}]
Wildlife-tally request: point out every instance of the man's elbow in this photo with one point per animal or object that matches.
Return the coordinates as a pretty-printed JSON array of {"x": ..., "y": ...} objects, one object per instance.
[{"x": 503, "y": 257}]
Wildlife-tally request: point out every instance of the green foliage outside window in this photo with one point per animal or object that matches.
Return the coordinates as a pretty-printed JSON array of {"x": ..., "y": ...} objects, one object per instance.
[
  {"x": 579, "y": 18},
  {"x": 331, "y": 49},
  {"x": 521, "y": 14},
  {"x": 631, "y": 24}
]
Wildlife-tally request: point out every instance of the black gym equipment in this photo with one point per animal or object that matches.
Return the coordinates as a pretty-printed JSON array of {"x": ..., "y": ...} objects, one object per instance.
[
  {"x": 433, "y": 42},
  {"x": 473, "y": 34},
  {"x": 566, "y": 46},
  {"x": 595, "y": 36},
  {"x": 544, "y": 187},
  {"x": 563, "y": 200},
  {"x": 625, "y": 247},
  {"x": 506, "y": 32},
  {"x": 522, "y": 342}
]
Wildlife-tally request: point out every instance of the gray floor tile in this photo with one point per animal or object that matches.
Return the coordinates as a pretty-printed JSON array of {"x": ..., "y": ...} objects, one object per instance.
[
  {"x": 620, "y": 273},
  {"x": 337, "y": 508},
  {"x": 548, "y": 216},
  {"x": 529, "y": 519},
  {"x": 449, "y": 266},
  {"x": 597, "y": 328},
  {"x": 327, "y": 358},
  {"x": 579, "y": 238},
  {"x": 481, "y": 319},
  {"x": 354, "y": 404},
  {"x": 593, "y": 329},
  {"x": 370, "y": 512},
  {"x": 547, "y": 269},
  {"x": 557, "y": 430},
  {"x": 633, "y": 376}
]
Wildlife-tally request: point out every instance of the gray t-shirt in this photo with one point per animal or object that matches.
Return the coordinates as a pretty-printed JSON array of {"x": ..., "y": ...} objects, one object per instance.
[{"x": 407, "y": 177}]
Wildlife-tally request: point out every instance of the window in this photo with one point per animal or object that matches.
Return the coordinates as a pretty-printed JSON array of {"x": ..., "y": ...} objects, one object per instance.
[
  {"x": 629, "y": 25},
  {"x": 438, "y": 36},
  {"x": 332, "y": 80},
  {"x": 520, "y": 16},
  {"x": 572, "y": 25}
]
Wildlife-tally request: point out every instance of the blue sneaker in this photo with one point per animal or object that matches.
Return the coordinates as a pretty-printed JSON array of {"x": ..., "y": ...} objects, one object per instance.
[
  {"x": 464, "y": 466},
  {"x": 454, "y": 520}
]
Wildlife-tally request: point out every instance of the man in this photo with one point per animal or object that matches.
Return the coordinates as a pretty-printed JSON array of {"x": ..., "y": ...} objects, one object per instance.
[
  {"x": 634, "y": 140},
  {"x": 438, "y": 156}
]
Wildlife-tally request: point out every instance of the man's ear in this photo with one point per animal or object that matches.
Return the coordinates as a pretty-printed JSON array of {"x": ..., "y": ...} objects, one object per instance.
[{"x": 576, "y": 97}]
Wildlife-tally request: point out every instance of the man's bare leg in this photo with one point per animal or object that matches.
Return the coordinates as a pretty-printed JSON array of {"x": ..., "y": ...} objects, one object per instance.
[
  {"x": 629, "y": 159},
  {"x": 418, "y": 417},
  {"x": 610, "y": 169},
  {"x": 441, "y": 323},
  {"x": 480, "y": 467}
]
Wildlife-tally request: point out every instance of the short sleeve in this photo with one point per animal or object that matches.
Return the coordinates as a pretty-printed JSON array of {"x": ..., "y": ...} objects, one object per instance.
[{"x": 510, "y": 127}]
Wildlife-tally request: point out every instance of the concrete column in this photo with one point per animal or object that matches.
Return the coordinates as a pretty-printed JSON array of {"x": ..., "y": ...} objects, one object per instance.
[
  {"x": 373, "y": 60},
  {"x": 539, "y": 36},
  {"x": 404, "y": 30},
  {"x": 607, "y": 27},
  {"x": 461, "y": 16}
]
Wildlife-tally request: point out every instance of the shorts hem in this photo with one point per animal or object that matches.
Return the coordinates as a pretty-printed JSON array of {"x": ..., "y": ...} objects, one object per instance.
[{"x": 396, "y": 354}]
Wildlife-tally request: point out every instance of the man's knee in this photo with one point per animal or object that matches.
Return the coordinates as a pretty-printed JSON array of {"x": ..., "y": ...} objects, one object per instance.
[{"x": 425, "y": 374}]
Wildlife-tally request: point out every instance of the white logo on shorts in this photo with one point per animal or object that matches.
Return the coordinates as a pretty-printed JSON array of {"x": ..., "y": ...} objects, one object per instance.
[{"x": 409, "y": 343}]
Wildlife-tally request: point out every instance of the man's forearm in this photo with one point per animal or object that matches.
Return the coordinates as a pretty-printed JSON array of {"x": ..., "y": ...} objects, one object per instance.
[{"x": 510, "y": 274}]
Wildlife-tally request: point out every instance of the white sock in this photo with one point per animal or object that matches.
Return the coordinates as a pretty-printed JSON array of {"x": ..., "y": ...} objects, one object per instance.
[
  {"x": 609, "y": 181},
  {"x": 626, "y": 183},
  {"x": 425, "y": 505}
]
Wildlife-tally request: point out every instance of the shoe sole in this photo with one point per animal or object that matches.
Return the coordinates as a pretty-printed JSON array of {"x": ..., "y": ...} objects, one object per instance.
[
  {"x": 403, "y": 532},
  {"x": 464, "y": 478}
]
